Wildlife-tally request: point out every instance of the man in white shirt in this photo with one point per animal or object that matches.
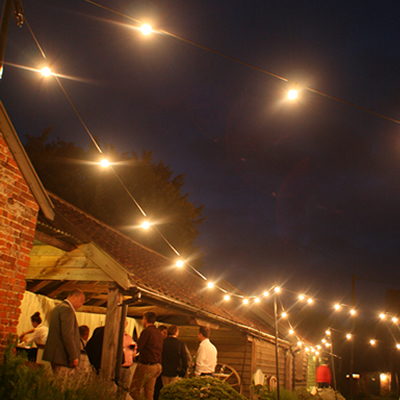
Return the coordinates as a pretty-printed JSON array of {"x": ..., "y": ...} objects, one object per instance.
[{"x": 206, "y": 358}]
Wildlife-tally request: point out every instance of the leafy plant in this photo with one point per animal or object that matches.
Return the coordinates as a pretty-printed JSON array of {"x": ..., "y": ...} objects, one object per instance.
[
  {"x": 263, "y": 393},
  {"x": 21, "y": 380},
  {"x": 199, "y": 388}
]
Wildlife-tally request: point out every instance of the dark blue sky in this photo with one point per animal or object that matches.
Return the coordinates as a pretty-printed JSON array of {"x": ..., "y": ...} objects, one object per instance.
[{"x": 303, "y": 193}]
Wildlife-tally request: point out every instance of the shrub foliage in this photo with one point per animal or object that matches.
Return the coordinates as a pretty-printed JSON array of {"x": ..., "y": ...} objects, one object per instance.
[{"x": 199, "y": 388}]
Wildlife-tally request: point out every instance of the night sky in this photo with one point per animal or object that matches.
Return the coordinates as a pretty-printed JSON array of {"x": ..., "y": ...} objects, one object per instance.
[{"x": 302, "y": 194}]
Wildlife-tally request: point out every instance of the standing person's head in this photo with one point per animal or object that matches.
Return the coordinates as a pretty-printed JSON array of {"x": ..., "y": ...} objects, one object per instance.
[
  {"x": 164, "y": 330},
  {"x": 36, "y": 320},
  {"x": 149, "y": 318},
  {"x": 173, "y": 330},
  {"x": 204, "y": 333},
  {"x": 76, "y": 298},
  {"x": 84, "y": 332}
]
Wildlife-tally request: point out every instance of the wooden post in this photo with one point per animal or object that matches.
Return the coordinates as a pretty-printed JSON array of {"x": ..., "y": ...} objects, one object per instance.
[{"x": 111, "y": 332}]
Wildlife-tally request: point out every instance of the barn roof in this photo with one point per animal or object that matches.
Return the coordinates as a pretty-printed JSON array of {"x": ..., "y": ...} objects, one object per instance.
[{"x": 135, "y": 267}]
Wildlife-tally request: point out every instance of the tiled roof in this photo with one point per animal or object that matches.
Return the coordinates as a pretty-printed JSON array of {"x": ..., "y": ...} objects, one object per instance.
[{"x": 152, "y": 270}]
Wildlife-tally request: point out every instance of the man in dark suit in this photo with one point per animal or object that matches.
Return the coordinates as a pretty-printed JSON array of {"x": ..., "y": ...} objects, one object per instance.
[{"x": 63, "y": 343}]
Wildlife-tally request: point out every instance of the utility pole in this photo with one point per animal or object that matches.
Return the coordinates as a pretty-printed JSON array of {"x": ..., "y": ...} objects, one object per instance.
[
  {"x": 276, "y": 347},
  {"x": 5, "y": 23}
]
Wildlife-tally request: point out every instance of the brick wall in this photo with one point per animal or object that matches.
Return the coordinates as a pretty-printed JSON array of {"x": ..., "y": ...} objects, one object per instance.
[{"x": 18, "y": 215}]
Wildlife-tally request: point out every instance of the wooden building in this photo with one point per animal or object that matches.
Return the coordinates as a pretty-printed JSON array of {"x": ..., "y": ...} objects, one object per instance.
[
  {"x": 69, "y": 248},
  {"x": 77, "y": 250}
]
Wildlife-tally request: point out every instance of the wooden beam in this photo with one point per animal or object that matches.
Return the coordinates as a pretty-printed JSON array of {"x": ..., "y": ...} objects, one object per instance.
[
  {"x": 39, "y": 286},
  {"x": 93, "y": 309},
  {"x": 43, "y": 237},
  {"x": 111, "y": 332},
  {"x": 86, "y": 287},
  {"x": 67, "y": 274},
  {"x": 111, "y": 267}
]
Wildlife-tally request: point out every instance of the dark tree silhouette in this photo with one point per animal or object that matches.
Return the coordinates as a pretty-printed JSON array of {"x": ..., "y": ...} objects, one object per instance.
[{"x": 74, "y": 174}]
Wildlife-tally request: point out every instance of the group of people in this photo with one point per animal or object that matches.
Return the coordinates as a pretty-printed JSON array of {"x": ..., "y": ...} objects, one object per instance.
[{"x": 157, "y": 354}]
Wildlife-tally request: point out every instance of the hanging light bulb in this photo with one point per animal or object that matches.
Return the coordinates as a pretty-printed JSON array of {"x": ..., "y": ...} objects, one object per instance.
[
  {"x": 348, "y": 336},
  {"x": 291, "y": 331},
  {"x": 179, "y": 264},
  {"x": 245, "y": 301},
  {"x": 292, "y": 94},
  {"x": 277, "y": 289},
  {"x": 210, "y": 285},
  {"x": 301, "y": 297},
  {"x": 104, "y": 163},
  {"x": 337, "y": 307},
  {"x": 146, "y": 29},
  {"x": 398, "y": 345},
  {"x": 266, "y": 294},
  {"x": 394, "y": 319},
  {"x": 284, "y": 314},
  {"x": 372, "y": 341},
  {"x": 310, "y": 301},
  {"x": 328, "y": 332},
  {"x": 352, "y": 311},
  {"x": 227, "y": 297},
  {"x": 146, "y": 225},
  {"x": 256, "y": 300},
  {"x": 46, "y": 71}
]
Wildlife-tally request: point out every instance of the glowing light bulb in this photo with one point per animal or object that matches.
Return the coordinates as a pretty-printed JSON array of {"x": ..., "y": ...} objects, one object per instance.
[
  {"x": 394, "y": 319},
  {"x": 319, "y": 347},
  {"x": 46, "y": 71},
  {"x": 323, "y": 340},
  {"x": 348, "y": 336},
  {"x": 307, "y": 349},
  {"x": 292, "y": 94},
  {"x": 352, "y": 311},
  {"x": 383, "y": 377},
  {"x": 146, "y": 29},
  {"x": 312, "y": 350},
  {"x": 291, "y": 331},
  {"x": 301, "y": 297},
  {"x": 327, "y": 344},
  {"x": 277, "y": 289},
  {"x": 398, "y": 345},
  {"x": 317, "y": 353},
  {"x": 372, "y": 341},
  {"x": 310, "y": 301},
  {"x": 328, "y": 332},
  {"x": 104, "y": 163},
  {"x": 227, "y": 297},
  {"x": 266, "y": 294},
  {"x": 245, "y": 301},
  {"x": 210, "y": 285},
  {"x": 284, "y": 315},
  {"x": 337, "y": 306},
  {"x": 382, "y": 316},
  {"x": 256, "y": 300},
  {"x": 179, "y": 263},
  {"x": 146, "y": 225},
  {"x": 299, "y": 343}
]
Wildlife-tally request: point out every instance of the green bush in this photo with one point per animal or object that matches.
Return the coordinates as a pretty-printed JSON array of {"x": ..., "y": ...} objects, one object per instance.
[
  {"x": 199, "y": 388},
  {"x": 21, "y": 380},
  {"x": 264, "y": 394}
]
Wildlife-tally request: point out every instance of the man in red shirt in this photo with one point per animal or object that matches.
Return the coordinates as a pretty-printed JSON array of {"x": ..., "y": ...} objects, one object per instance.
[
  {"x": 324, "y": 375},
  {"x": 149, "y": 347}
]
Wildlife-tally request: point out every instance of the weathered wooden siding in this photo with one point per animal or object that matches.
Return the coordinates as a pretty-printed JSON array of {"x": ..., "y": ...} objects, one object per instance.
[
  {"x": 301, "y": 365},
  {"x": 265, "y": 360},
  {"x": 233, "y": 349}
]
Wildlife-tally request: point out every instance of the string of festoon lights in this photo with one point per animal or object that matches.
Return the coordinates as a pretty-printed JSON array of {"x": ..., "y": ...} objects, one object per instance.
[{"x": 146, "y": 224}]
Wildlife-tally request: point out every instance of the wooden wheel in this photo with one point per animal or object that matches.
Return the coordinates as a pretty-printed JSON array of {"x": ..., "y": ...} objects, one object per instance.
[{"x": 229, "y": 375}]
